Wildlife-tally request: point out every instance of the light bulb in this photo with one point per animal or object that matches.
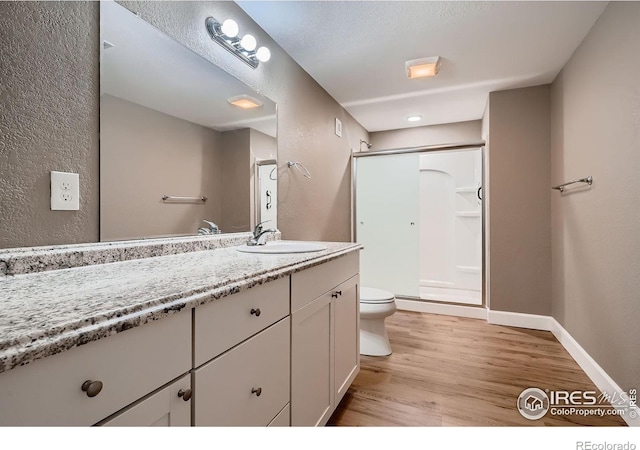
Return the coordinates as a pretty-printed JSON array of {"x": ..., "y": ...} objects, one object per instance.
[
  {"x": 248, "y": 42},
  {"x": 229, "y": 28},
  {"x": 414, "y": 118},
  {"x": 263, "y": 54}
]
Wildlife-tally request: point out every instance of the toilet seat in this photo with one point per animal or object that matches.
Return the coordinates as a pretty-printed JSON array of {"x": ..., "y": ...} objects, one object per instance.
[{"x": 373, "y": 295}]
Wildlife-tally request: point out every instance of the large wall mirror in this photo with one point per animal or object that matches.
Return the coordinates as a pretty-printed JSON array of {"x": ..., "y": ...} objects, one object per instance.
[{"x": 180, "y": 141}]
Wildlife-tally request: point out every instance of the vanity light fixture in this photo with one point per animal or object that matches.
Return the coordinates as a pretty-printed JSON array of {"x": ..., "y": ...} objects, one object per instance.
[
  {"x": 226, "y": 34},
  {"x": 423, "y": 67},
  {"x": 245, "y": 102}
]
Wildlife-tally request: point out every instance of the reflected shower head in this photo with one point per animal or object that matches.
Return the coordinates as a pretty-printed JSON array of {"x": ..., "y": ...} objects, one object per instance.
[{"x": 364, "y": 142}]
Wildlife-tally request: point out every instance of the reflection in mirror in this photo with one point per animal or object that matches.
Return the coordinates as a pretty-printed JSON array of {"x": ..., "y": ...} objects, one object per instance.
[
  {"x": 174, "y": 151},
  {"x": 267, "y": 192}
]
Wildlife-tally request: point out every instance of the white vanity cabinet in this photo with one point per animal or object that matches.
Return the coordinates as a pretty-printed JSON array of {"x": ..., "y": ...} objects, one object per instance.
[
  {"x": 279, "y": 353},
  {"x": 86, "y": 384},
  {"x": 325, "y": 355},
  {"x": 242, "y": 356}
]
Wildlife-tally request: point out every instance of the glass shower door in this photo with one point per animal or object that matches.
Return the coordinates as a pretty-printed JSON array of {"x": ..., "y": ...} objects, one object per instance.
[{"x": 387, "y": 214}]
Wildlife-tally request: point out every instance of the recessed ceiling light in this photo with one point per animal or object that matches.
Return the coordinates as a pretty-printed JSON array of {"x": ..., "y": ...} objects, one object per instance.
[
  {"x": 423, "y": 67},
  {"x": 414, "y": 118},
  {"x": 244, "y": 102}
]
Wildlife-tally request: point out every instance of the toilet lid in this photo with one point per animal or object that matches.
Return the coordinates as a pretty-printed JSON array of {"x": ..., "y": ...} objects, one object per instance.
[{"x": 373, "y": 295}]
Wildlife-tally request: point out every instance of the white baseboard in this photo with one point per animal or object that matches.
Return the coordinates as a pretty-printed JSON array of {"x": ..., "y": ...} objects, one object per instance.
[
  {"x": 593, "y": 370},
  {"x": 438, "y": 308},
  {"x": 512, "y": 319}
]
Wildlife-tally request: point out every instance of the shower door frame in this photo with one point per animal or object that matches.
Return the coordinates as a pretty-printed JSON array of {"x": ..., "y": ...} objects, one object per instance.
[{"x": 427, "y": 149}]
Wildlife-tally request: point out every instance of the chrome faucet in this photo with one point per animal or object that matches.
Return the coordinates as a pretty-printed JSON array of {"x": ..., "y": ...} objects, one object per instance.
[
  {"x": 260, "y": 235},
  {"x": 213, "y": 228}
]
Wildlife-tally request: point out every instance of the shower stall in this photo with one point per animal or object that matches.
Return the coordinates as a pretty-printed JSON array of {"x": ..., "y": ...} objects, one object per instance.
[{"x": 418, "y": 214}]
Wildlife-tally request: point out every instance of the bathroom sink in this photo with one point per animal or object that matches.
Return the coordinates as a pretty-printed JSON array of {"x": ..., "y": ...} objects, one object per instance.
[{"x": 283, "y": 247}]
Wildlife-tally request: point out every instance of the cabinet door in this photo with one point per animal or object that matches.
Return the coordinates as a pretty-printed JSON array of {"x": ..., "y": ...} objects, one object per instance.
[
  {"x": 312, "y": 391},
  {"x": 346, "y": 315},
  {"x": 165, "y": 408}
]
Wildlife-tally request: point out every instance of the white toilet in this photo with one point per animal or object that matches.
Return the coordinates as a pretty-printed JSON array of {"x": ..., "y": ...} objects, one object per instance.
[{"x": 375, "y": 306}]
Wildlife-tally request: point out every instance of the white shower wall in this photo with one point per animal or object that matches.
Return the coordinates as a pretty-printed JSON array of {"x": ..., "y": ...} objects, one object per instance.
[{"x": 450, "y": 227}]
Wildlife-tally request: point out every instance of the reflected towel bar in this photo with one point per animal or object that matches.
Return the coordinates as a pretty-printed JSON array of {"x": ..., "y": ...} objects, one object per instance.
[
  {"x": 184, "y": 199},
  {"x": 300, "y": 168},
  {"x": 588, "y": 180}
]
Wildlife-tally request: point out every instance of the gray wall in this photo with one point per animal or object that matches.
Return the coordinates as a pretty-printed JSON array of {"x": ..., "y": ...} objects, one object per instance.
[
  {"x": 49, "y": 119},
  {"x": 428, "y": 135},
  {"x": 518, "y": 208},
  {"x": 596, "y": 232},
  {"x": 146, "y": 154},
  {"x": 236, "y": 201}
]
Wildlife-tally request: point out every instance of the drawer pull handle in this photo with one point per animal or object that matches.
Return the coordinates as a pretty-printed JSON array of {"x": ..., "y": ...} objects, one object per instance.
[
  {"x": 92, "y": 388},
  {"x": 185, "y": 394},
  {"x": 256, "y": 312},
  {"x": 256, "y": 391},
  {"x": 336, "y": 294}
]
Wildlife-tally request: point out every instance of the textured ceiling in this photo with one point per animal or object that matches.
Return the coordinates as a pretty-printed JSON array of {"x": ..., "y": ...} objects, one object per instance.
[{"x": 357, "y": 50}]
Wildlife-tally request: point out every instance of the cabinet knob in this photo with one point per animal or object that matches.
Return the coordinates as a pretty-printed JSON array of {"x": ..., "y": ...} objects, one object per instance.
[
  {"x": 185, "y": 394},
  {"x": 256, "y": 391},
  {"x": 92, "y": 388},
  {"x": 336, "y": 294},
  {"x": 256, "y": 312}
]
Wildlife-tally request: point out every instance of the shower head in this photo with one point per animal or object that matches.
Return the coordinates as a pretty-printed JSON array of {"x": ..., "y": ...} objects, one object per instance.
[{"x": 364, "y": 142}]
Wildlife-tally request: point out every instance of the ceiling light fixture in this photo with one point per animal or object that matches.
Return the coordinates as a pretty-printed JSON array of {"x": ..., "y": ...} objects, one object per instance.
[
  {"x": 245, "y": 102},
  {"x": 423, "y": 67},
  {"x": 414, "y": 118},
  {"x": 226, "y": 34}
]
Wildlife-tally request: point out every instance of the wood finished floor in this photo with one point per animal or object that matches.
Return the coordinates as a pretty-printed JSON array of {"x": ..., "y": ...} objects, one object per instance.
[{"x": 455, "y": 371}]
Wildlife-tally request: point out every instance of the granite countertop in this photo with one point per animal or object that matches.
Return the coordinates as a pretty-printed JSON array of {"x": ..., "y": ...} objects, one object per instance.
[{"x": 45, "y": 313}]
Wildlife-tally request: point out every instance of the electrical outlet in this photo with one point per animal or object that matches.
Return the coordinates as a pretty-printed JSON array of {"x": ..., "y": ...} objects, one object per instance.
[{"x": 65, "y": 191}]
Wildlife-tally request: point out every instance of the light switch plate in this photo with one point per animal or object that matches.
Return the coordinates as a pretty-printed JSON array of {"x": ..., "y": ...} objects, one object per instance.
[
  {"x": 338, "y": 127},
  {"x": 65, "y": 191}
]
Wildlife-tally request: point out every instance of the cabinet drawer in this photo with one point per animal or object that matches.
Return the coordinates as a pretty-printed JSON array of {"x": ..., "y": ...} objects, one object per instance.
[
  {"x": 223, "y": 387},
  {"x": 310, "y": 284},
  {"x": 228, "y": 321},
  {"x": 165, "y": 408},
  {"x": 130, "y": 364}
]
